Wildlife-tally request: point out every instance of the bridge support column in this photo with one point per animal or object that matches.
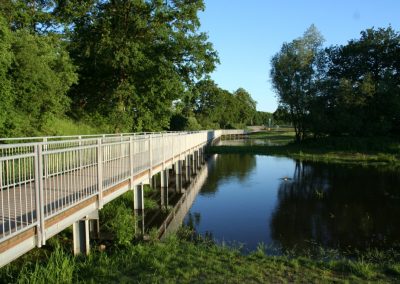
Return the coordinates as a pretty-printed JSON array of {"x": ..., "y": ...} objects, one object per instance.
[
  {"x": 138, "y": 206},
  {"x": 139, "y": 222},
  {"x": 198, "y": 163},
  {"x": 154, "y": 181},
  {"x": 138, "y": 197},
  {"x": 94, "y": 229},
  {"x": 164, "y": 188},
  {"x": 203, "y": 154},
  {"x": 81, "y": 243},
  {"x": 178, "y": 176},
  {"x": 84, "y": 230},
  {"x": 187, "y": 169},
  {"x": 193, "y": 163}
]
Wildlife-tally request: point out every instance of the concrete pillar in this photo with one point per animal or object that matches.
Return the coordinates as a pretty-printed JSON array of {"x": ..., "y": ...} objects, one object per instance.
[
  {"x": 178, "y": 176},
  {"x": 164, "y": 188},
  {"x": 139, "y": 222},
  {"x": 193, "y": 164},
  {"x": 94, "y": 229},
  {"x": 81, "y": 243},
  {"x": 187, "y": 169},
  {"x": 138, "y": 197},
  {"x": 198, "y": 159},
  {"x": 154, "y": 181}
]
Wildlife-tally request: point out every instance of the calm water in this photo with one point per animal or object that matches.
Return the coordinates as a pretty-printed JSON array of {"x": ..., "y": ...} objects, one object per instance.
[{"x": 250, "y": 199}]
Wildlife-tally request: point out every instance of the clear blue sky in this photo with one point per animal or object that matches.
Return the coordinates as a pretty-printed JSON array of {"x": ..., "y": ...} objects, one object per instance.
[{"x": 247, "y": 33}]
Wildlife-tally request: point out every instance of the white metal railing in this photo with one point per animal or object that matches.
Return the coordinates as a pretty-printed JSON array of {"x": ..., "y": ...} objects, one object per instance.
[{"x": 41, "y": 177}]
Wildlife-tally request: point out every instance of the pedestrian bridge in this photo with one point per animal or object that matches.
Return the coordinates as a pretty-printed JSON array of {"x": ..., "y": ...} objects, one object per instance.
[{"x": 50, "y": 183}]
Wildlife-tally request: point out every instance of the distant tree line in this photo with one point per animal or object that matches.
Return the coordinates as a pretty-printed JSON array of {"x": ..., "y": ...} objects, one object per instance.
[
  {"x": 119, "y": 66},
  {"x": 352, "y": 89},
  {"x": 211, "y": 107}
]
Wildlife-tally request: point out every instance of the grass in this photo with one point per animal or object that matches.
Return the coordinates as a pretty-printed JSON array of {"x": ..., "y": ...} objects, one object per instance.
[
  {"x": 186, "y": 261},
  {"x": 188, "y": 258},
  {"x": 378, "y": 151},
  {"x": 66, "y": 126}
]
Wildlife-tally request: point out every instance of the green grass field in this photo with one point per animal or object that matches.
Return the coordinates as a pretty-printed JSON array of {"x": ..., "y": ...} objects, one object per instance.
[
  {"x": 377, "y": 151},
  {"x": 177, "y": 260}
]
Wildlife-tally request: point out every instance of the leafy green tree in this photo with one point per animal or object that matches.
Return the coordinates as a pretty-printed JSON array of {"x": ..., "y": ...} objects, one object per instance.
[
  {"x": 41, "y": 75},
  {"x": 262, "y": 118},
  {"x": 296, "y": 71},
  {"x": 6, "y": 56},
  {"x": 35, "y": 69},
  {"x": 364, "y": 78},
  {"x": 246, "y": 106},
  {"x": 136, "y": 58}
]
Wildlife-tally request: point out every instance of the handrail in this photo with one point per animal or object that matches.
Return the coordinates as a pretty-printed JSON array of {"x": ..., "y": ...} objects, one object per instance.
[{"x": 41, "y": 179}]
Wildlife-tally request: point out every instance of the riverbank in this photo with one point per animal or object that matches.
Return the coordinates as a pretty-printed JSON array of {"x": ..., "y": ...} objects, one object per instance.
[
  {"x": 186, "y": 258},
  {"x": 374, "y": 151},
  {"x": 179, "y": 260}
]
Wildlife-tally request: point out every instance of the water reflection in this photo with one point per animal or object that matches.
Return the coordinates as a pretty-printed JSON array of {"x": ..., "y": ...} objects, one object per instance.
[
  {"x": 338, "y": 207},
  {"x": 226, "y": 167},
  {"x": 278, "y": 201}
]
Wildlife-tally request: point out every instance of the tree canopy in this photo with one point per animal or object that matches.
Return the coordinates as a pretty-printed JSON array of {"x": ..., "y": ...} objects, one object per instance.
[
  {"x": 120, "y": 66},
  {"x": 353, "y": 89}
]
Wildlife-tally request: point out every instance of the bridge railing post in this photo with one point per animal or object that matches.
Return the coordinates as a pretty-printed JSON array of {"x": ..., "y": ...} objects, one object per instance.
[
  {"x": 41, "y": 239},
  {"x": 80, "y": 152},
  {"x": 163, "y": 143},
  {"x": 150, "y": 157},
  {"x": 131, "y": 159},
  {"x": 100, "y": 172}
]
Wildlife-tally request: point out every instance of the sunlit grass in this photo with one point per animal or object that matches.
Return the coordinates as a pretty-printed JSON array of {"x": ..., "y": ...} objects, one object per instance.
[
  {"x": 178, "y": 260},
  {"x": 347, "y": 150}
]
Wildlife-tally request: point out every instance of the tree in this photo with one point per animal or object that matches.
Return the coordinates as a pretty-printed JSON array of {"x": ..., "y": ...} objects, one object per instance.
[
  {"x": 138, "y": 57},
  {"x": 6, "y": 57},
  {"x": 35, "y": 69},
  {"x": 364, "y": 78},
  {"x": 296, "y": 71},
  {"x": 41, "y": 74},
  {"x": 246, "y": 106}
]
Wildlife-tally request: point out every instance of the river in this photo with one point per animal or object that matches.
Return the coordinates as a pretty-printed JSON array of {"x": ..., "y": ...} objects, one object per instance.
[{"x": 286, "y": 204}]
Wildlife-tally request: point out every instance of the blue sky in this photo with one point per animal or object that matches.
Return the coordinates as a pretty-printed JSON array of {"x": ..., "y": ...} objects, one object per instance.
[{"x": 247, "y": 33}]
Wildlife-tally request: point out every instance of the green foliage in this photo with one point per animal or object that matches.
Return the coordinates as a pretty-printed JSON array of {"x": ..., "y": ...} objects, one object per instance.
[
  {"x": 135, "y": 58},
  {"x": 6, "y": 57},
  {"x": 42, "y": 74},
  {"x": 35, "y": 71},
  {"x": 118, "y": 219},
  {"x": 59, "y": 267},
  {"x": 343, "y": 90},
  {"x": 178, "y": 260},
  {"x": 192, "y": 124},
  {"x": 296, "y": 71},
  {"x": 363, "y": 84},
  {"x": 60, "y": 126},
  {"x": 217, "y": 108}
]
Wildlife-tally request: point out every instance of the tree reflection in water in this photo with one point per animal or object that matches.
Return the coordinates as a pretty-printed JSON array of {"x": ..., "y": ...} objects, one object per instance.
[
  {"x": 228, "y": 165},
  {"x": 337, "y": 207}
]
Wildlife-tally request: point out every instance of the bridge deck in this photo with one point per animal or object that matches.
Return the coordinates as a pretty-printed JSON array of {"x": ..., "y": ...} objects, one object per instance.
[{"x": 46, "y": 186}]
